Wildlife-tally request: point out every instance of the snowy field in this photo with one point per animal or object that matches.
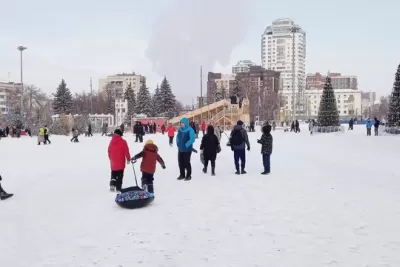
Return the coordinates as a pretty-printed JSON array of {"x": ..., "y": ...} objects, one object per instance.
[{"x": 331, "y": 200}]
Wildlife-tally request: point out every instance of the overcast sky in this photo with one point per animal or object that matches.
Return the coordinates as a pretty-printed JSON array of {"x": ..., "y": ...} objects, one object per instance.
[{"x": 76, "y": 40}]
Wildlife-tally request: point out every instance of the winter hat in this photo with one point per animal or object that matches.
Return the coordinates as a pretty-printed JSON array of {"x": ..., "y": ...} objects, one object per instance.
[
  {"x": 118, "y": 131},
  {"x": 266, "y": 129},
  {"x": 149, "y": 142},
  {"x": 239, "y": 122}
]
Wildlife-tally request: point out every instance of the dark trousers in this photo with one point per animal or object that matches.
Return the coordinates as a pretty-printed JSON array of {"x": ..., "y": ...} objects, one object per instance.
[
  {"x": 184, "y": 164},
  {"x": 267, "y": 162},
  {"x": 240, "y": 154},
  {"x": 206, "y": 160},
  {"x": 139, "y": 137},
  {"x": 171, "y": 140},
  {"x": 116, "y": 179},
  {"x": 147, "y": 182},
  {"x": 46, "y": 139},
  {"x": 74, "y": 139},
  {"x": 376, "y": 131},
  {"x": 368, "y": 131}
]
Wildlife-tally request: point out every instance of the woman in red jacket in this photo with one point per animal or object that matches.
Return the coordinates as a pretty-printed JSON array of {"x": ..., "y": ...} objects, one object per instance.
[
  {"x": 118, "y": 153},
  {"x": 171, "y": 133},
  {"x": 204, "y": 127}
]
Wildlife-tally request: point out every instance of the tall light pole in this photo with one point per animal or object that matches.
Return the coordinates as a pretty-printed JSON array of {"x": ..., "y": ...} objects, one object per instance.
[
  {"x": 91, "y": 96},
  {"x": 21, "y": 49},
  {"x": 294, "y": 30}
]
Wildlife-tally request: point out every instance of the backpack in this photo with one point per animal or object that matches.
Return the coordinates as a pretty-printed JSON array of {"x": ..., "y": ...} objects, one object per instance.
[{"x": 237, "y": 137}]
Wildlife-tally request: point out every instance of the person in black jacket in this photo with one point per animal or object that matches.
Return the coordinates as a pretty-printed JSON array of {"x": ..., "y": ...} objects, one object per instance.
[
  {"x": 210, "y": 147},
  {"x": 3, "y": 194},
  {"x": 266, "y": 148}
]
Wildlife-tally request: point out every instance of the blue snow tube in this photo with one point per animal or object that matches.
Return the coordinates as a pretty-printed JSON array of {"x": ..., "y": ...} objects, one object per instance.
[{"x": 134, "y": 198}]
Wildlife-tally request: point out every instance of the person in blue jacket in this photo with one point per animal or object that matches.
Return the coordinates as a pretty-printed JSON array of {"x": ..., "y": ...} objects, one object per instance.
[
  {"x": 369, "y": 126},
  {"x": 184, "y": 140}
]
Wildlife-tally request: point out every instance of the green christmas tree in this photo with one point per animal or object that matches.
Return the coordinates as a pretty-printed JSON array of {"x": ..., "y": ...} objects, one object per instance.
[
  {"x": 130, "y": 96},
  {"x": 394, "y": 106},
  {"x": 168, "y": 99},
  {"x": 143, "y": 103},
  {"x": 63, "y": 103},
  {"x": 156, "y": 102},
  {"x": 328, "y": 114}
]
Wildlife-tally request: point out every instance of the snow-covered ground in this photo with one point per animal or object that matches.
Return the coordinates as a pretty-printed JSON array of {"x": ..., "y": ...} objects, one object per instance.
[{"x": 331, "y": 200}]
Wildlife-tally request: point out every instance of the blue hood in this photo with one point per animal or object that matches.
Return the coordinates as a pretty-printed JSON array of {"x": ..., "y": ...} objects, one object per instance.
[{"x": 186, "y": 122}]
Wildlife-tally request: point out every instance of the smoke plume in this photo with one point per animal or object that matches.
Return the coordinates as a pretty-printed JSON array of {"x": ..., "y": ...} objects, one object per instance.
[{"x": 194, "y": 33}]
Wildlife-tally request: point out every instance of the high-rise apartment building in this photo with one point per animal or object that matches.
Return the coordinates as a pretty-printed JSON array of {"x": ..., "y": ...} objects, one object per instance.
[
  {"x": 339, "y": 81},
  {"x": 120, "y": 82},
  {"x": 243, "y": 66},
  {"x": 283, "y": 46},
  {"x": 6, "y": 101}
]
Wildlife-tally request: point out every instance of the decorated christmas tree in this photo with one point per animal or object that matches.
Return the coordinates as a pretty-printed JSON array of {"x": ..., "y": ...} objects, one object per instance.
[
  {"x": 131, "y": 98},
  {"x": 328, "y": 114},
  {"x": 63, "y": 103},
  {"x": 394, "y": 105},
  {"x": 143, "y": 103}
]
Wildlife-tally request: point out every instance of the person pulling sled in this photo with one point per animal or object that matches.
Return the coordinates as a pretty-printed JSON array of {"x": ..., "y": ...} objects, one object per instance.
[
  {"x": 3, "y": 194},
  {"x": 118, "y": 153},
  {"x": 148, "y": 166}
]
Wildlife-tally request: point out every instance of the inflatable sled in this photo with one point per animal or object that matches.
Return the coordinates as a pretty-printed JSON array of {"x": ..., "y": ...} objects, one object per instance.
[{"x": 134, "y": 197}]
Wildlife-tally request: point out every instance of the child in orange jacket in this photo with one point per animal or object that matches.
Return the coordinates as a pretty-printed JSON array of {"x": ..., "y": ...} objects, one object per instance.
[{"x": 171, "y": 133}]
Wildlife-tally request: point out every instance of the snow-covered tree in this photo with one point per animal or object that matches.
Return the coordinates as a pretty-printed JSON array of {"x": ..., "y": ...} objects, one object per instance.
[
  {"x": 63, "y": 103},
  {"x": 218, "y": 94},
  {"x": 143, "y": 102},
  {"x": 131, "y": 98},
  {"x": 81, "y": 123},
  {"x": 328, "y": 114},
  {"x": 61, "y": 126},
  {"x": 394, "y": 105},
  {"x": 109, "y": 95},
  {"x": 156, "y": 102},
  {"x": 237, "y": 90},
  {"x": 167, "y": 106}
]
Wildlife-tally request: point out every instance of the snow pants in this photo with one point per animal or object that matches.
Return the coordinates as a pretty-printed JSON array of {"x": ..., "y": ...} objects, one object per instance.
[
  {"x": 239, "y": 154},
  {"x": 117, "y": 179},
  {"x": 184, "y": 164},
  {"x": 147, "y": 182},
  {"x": 171, "y": 140},
  {"x": 267, "y": 162},
  {"x": 368, "y": 131},
  {"x": 376, "y": 131}
]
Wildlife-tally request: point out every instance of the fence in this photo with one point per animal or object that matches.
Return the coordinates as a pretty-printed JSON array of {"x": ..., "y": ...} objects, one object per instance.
[{"x": 328, "y": 129}]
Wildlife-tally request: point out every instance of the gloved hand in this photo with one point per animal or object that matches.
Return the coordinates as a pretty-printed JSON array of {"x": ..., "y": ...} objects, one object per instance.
[
  {"x": 248, "y": 148},
  {"x": 163, "y": 166},
  {"x": 128, "y": 161}
]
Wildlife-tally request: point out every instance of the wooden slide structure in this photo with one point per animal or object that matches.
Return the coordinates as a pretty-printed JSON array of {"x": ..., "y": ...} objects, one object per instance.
[{"x": 222, "y": 113}]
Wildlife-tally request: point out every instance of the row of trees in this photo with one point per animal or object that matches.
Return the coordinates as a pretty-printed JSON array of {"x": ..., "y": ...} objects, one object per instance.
[{"x": 161, "y": 103}]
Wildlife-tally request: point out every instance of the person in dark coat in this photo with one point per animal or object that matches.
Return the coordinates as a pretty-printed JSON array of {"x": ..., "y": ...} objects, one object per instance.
[
  {"x": 122, "y": 127},
  {"x": 297, "y": 126},
  {"x": 376, "y": 126},
  {"x": 266, "y": 148},
  {"x": 209, "y": 145},
  {"x": 351, "y": 123},
  {"x": 139, "y": 131},
  {"x": 238, "y": 141}
]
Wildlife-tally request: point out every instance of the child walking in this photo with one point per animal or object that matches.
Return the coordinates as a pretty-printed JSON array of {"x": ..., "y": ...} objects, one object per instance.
[
  {"x": 266, "y": 148},
  {"x": 171, "y": 133},
  {"x": 118, "y": 153},
  {"x": 148, "y": 166}
]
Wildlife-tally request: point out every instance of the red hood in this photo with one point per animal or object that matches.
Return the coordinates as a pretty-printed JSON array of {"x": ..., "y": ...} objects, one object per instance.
[{"x": 151, "y": 148}]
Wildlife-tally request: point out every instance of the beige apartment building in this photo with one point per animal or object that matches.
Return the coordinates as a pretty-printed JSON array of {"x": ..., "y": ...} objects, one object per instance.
[
  {"x": 5, "y": 102},
  {"x": 121, "y": 81}
]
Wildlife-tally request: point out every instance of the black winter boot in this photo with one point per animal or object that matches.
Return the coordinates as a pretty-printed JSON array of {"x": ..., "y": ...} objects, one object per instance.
[
  {"x": 3, "y": 194},
  {"x": 212, "y": 171}
]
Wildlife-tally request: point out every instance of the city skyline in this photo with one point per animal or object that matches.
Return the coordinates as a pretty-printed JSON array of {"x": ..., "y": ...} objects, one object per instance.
[{"x": 87, "y": 40}]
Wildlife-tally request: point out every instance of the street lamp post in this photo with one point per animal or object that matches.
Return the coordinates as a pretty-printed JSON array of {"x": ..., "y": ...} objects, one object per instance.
[
  {"x": 21, "y": 49},
  {"x": 294, "y": 30}
]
